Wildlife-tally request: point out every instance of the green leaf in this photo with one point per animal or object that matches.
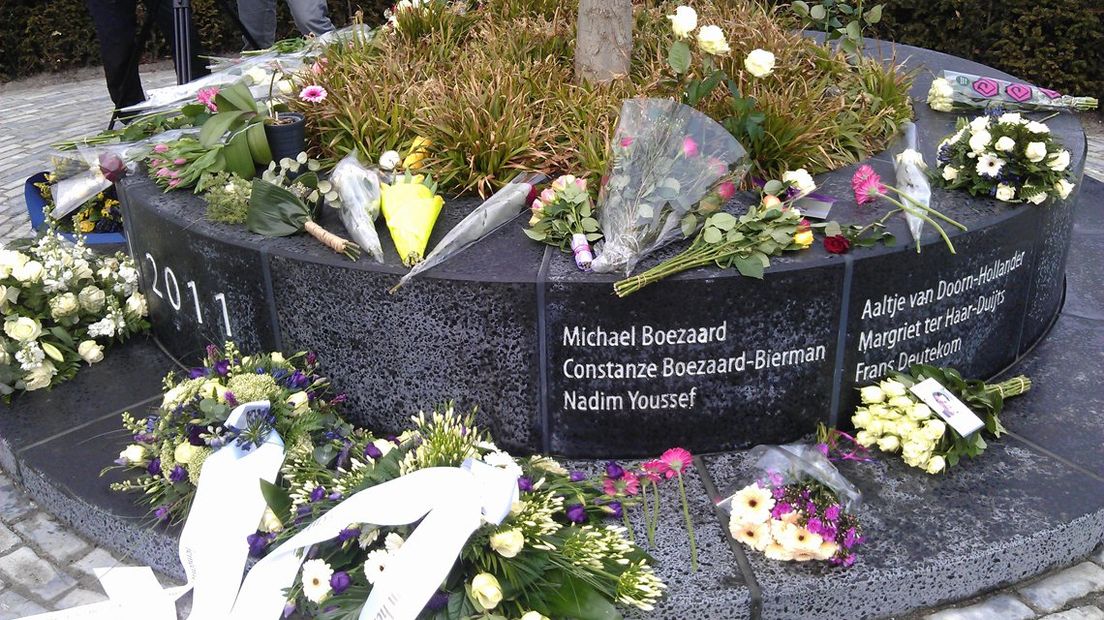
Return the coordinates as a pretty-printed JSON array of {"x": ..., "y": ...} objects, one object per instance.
[
  {"x": 236, "y": 97},
  {"x": 689, "y": 224},
  {"x": 749, "y": 266},
  {"x": 575, "y": 599},
  {"x": 800, "y": 7},
  {"x": 874, "y": 15},
  {"x": 217, "y": 125},
  {"x": 590, "y": 224},
  {"x": 712, "y": 235},
  {"x": 832, "y": 229},
  {"x": 889, "y": 240},
  {"x": 275, "y": 211},
  {"x": 818, "y": 12},
  {"x": 854, "y": 30},
  {"x": 773, "y": 187},
  {"x": 277, "y": 499},
  {"x": 679, "y": 57},
  {"x": 238, "y": 158},
  {"x": 724, "y": 221}
]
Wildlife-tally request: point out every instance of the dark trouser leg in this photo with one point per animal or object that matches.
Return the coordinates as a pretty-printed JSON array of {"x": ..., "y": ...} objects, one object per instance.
[{"x": 116, "y": 27}]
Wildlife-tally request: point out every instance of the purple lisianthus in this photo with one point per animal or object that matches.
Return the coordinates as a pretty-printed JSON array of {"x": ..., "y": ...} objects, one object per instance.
[
  {"x": 222, "y": 367},
  {"x": 162, "y": 513},
  {"x": 438, "y": 601},
  {"x": 336, "y": 495},
  {"x": 577, "y": 476},
  {"x": 312, "y": 357},
  {"x": 339, "y": 581},
  {"x": 340, "y": 398},
  {"x": 614, "y": 471},
  {"x": 258, "y": 542},
  {"x": 525, "y": 484},
  {"x": 372, "y": 452},
  {"x": 832, "y": 512},
  {"x": 178, "y": 474},
  {"x": 297, "y": 380},
  {"x": 196, "y": 373},
  {"x": 615, "y": 509},
  {"x": 317, "y": 494},
  {"x": 289, "y": 608},
  {"x": 576, "y": 513},
  {"x": 348, "y": 533},
  {"x": 195, "y": 435},
  {"x": 154, "y": 467}
]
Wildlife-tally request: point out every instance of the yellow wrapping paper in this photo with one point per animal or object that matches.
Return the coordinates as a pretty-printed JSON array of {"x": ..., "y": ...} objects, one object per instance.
[{"x": 410, "y": 210}]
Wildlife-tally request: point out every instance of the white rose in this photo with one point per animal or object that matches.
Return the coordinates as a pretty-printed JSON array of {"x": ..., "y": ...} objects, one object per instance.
[
  {"x": 533, "y": 615},
  {"x": 284, "y": 87},
  {"x": 10, "y": 259},
  {"x": 684, "y": 21},
  {"x": 486, "y": 591},
  {"x": 64, "y": 305},
  {"x": 134, "y": 454},
  {"x": 277, "y": 357},
  {"x": 980, "y": 141},
  {"x": 865, "y": 439},
  {"x": 889, "y": 443},
  {"x": 299, "y": 402},
  {"x": 1037, "y": 198},
  {"x": 941, "y": 88},
  {"x": 919, "y": 412},
  {"x": 136, "y": 305},
  {"x": 893, "y": 388},
  {"x": 389, "y": 160},
  {"x": 911, "y": 156},
  {"x": 39, "y": 377},
  {"x": 915, "y": 451},
  {"x": 934, "y": 429},
  {"x": 90, "y": 352},
  {"x": 257, "y": 75},
  {"x": 1063, "y": 187},
  {"x": 1037, "y": 127},
  {"x": 759, "y": 63},
  {"x": 861, "y": 418},
  {"x": 1005, "y": 193},
  {"x": 184, "y": 453},
  {"x": 1010, "y": 118},
  {"x": 509, "y": 543},
  {"x": 91, "y": 299},
  {"x": 1005, "y": 144},
  {"x": 1060, "y": 162},
  {"x": 270, "y": 523},
  {"x": 1035, "y": 151},
  {"x": 980, "y": 123},
  {"x": 936, "y": 464},
  {"x": 23, "y": 329},
  {"x": 872, "y": 394},
  {"x": 950, "y": 173},
  {"x": 711, "y": 39},
  {"x": 31, "y": 271},
  {"x": 172, "y": 396},
  {"x": 799, "y": 179}
]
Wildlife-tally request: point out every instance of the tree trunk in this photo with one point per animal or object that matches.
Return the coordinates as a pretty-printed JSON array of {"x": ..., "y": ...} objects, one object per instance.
[{"x": 603, "y": 45}]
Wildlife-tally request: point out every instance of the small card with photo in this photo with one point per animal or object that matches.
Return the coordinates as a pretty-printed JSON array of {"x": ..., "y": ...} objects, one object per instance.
[
  {"x": 947, "y": 407},
  {"x": 814, "y": 207}
]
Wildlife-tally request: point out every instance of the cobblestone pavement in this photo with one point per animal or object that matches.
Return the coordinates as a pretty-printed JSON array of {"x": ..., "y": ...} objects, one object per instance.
[{"x": 44, "y": 566}]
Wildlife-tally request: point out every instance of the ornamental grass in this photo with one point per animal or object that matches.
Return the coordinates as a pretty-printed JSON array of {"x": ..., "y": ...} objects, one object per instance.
[{"x": 493, "y": 89}]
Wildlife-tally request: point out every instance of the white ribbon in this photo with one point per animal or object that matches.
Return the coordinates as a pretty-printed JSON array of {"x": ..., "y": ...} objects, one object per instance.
[
  {"x": 226, "y": 509},
  {"x": 454, "y": 503}
]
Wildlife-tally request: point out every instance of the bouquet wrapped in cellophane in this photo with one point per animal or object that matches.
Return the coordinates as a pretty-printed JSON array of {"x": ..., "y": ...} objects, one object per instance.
[
  {"x": 963, "y": 91},
  {"x": 359, "y": 188},
  {"x": 667, "y": 161},
  {"x": 801, "y": 508}
]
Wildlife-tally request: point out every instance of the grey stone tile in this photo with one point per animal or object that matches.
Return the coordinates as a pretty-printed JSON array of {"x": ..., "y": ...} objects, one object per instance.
[
  {"x": 12, "y": 605},
  {"x": 1087, "y": 612},
  {"x": 78, "y": 597},
  {"x": 1054, "y": 592},
  {"x": 36, "y": 575},
  {"x": 1001, "y": 607},
  {"x": 53, "y": 538}
]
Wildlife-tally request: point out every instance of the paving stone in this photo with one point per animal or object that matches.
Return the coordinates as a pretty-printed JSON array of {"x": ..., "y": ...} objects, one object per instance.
[
  {"x": 8, "y": 539},
  {"x": 1000, "y": 607},
  {"x": 14, "y": 505},
  {"x": 79, "y": 597},
  {"x": 1054, "y": 592},
  {"x": 12, "y": 605},
  {"x": 53, "y": 538},
  {"x": 1098, "y": 555},
  {"x": 1088, "y": 612},
  {"x": 39, "y": 577},
  {"x": 97, "y": 558}
]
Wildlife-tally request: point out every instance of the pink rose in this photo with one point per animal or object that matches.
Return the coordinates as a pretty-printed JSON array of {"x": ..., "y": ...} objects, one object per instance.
[
  {"x": 548, "y": 195},
  {"x": 689, "y": 147},
  {"x": 726, "y": 190}
]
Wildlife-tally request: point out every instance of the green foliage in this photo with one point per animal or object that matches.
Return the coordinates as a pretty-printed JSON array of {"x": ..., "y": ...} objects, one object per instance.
[
  {"x": 227, "y": 198},
  {"x": 840, "y": 20}
]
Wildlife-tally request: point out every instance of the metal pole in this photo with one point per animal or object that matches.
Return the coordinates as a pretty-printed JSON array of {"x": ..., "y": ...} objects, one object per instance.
[{"x": 182, "y": 50}]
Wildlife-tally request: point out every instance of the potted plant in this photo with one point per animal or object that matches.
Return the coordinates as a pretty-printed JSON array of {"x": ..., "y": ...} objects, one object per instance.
[{"x": 286, "y": 131}]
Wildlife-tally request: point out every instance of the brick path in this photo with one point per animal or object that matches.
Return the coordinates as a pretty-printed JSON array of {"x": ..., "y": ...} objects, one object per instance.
[{"x": 44, "y": 566}]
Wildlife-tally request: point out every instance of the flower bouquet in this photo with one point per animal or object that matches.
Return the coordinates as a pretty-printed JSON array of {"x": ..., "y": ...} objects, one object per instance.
[
  {"x": 1007, "y": 157},
  {"x": 801, "y": 509},
  {"x": 98, "y": 214},
  {"x": 62, "y": 305},
  {"x": 550, "y": 556},
  {"x": 359, "y": 205},
  {"x": 171, "y": 444},
  {"x": 563, "y": 216},
  {"x": 669, "y": 162},
  {"x": 498, "y": 210},
  {"x": 278, "y": 211},
  {"x": 410, "y": 206},
  {"x": 893, "y": 416},
  {"x": 962, "y": 91}
]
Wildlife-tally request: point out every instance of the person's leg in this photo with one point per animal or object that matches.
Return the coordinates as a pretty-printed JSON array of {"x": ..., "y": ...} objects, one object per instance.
[
  {"x": 259, "y": 19},
  {"x": 115, "y": 24},
  {"x": 163, "y": 12},
  {"x": 311, "y": 16}
]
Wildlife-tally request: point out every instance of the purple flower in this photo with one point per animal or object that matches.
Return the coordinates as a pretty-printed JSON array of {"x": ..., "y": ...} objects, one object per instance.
[
  {"x": 339, "y": 581},
  {"x": 289, "y": 608},
  {"x": 781, "y": 508},
  {"x": 231, "y": 399},
  {"x": 778, "y": 492},
  {"x": 615, "y": 509},
  {"x": 577, "y": 476},
  {"x": 297, "y": 380},
  {"x": 614, "y": 471},
  {"x": 340, "y": 398},
  {"x": 829, "y": 532},
  {"x": 372, "y": 452},
  {"x": 815, "y": 526},
  {"x": 258, "y": 542},
  {"x": 196, "y": 373},
  {"x": 336, "y": 495},
  {"x": 194, "y": 435},
  {"x": 576, "y": 513},
  {"x": 317, "y": 494},
  {"x": 821, "y": 447},
  {"x": 832, "y": 512},
  {"x": 438, "y": 601},
  {"x": 849, "y": 560},
  {"x": 348, "y": 533},
  {"x": 162, "y": 513},
  {"x": 810, "y": 508},
  {"x": 222, "y": 367},
  {"x": 850, "y": 539},
  {"x": 312, "y": 357},
  {"x": 525, "y": 484},
  {"x": 775, "y": 479},
  {"x": 154, "y": 467},
  {"x": 177, "y": 474}
]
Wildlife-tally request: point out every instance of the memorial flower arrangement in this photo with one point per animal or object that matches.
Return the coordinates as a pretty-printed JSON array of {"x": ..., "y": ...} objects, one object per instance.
[
  {"x": 171, "y": 443},
  {"x": 952, "y": 91},
  {"x": 99, "y": 214},
  {"x": 1005, "y": 156},
  {"x": 564, "y": 217},
  {"x": 63, "y": 305},
  {"x": 410, "y": 206},
  {"x": 552, "y": 556},
  {"x": 868, "y": 187},
  {"x": 895, "y": 419},
  {"x": 801, "y": 509}
]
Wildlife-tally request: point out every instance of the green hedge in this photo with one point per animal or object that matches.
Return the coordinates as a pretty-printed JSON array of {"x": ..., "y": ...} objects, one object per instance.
[
  {"x": 52, "y": 35},
  {"x": 1057, "y": 44}
]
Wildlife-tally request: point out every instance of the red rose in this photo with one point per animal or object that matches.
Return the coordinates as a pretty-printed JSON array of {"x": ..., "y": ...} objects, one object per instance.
[{"x": 837, "y": 244}]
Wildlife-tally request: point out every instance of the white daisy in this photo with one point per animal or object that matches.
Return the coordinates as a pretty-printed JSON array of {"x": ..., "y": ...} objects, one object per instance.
[
  {"x": 316, "y": 580},
  {"x": 989, "y": 165},
  {"x": 375, "y": 564},
  {"x": 755, "y": 535},
  {"x": 752, "y": 504}
]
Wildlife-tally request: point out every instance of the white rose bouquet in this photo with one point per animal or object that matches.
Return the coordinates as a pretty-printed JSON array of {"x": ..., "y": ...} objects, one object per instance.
[
  {"x": 1007, "y": 157},
  {"x": 62, "y": 305},
  {"x": 961, "y": 91},
  {"x": 895, "y": 420}
]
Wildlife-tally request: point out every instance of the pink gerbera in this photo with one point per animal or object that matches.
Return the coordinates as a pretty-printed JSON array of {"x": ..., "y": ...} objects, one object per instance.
[
  {"x": 627, "y": 484},
  {"x": 654, "y": 470},
  {"x": 313, "y": 94},
  {"x": 206, "y": 96},
  {"x": 866, "y": 184},
  {"x": 677, "y": 459}
]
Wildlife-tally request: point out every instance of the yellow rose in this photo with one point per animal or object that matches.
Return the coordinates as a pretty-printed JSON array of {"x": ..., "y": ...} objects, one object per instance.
[
  {"x": 804, "y": 238},
  {"x": 509, "y": 543},
  {"x": 417, "y": 153},
  {"x": 486, "y": 591}
]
